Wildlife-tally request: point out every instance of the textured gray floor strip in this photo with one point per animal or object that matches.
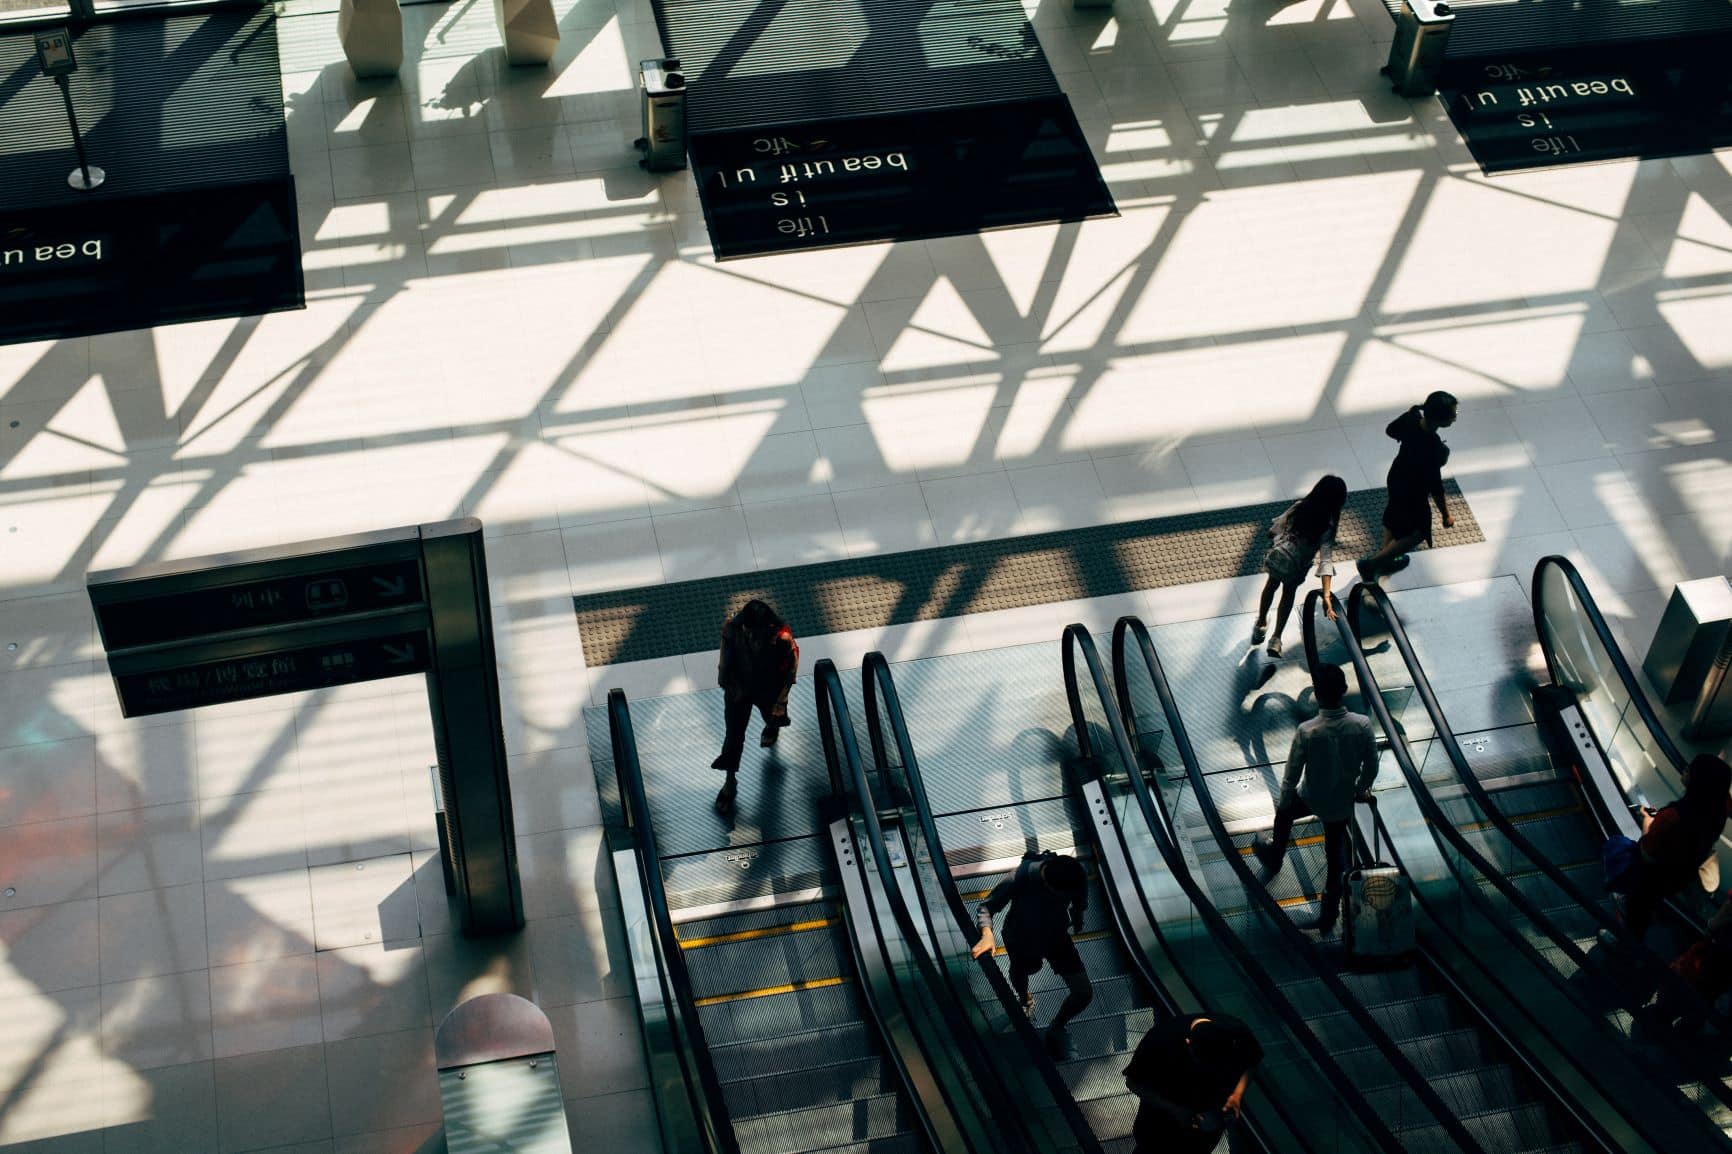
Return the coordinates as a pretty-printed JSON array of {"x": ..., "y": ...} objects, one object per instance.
[{"x": 952, "y": 580}]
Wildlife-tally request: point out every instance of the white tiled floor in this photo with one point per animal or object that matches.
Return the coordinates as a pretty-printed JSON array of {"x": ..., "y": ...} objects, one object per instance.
[{"x": 507, "y": 318}]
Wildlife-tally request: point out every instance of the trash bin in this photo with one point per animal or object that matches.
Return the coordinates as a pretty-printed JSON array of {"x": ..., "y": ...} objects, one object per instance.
[
  {"x": 1687, "y": 660},
  {"x": 1416, "y": 56},
  {"x": 663, "y": 89}
]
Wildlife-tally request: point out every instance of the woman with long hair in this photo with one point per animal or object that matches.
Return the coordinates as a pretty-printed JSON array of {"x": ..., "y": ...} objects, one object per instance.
[
  {"x": 1678, "y": 840},
  {"x": 1305, "y": 531}
]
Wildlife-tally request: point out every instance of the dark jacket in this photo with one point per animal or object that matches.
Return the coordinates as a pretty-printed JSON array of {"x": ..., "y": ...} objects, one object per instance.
[
  {"x": 757, "y": 669},
  {"x": 1417, "y": 471},
  {"x": 1038, "y": 913}
]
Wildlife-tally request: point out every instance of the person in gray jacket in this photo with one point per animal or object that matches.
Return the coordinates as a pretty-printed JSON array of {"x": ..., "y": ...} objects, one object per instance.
[{"x": 1332, "y": 763}]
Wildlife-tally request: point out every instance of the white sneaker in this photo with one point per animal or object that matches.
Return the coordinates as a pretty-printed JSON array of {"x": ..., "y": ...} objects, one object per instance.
[
  {"x": 1260, "y": 632},
  {"x": 1274, "y": 647}
]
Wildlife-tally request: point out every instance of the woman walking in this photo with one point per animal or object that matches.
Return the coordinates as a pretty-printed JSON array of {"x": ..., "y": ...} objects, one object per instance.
[
  {"x": 757, "y": 666},
  {"x": 1305, "y": 531},
  {"x": 1415, "y": 483}
]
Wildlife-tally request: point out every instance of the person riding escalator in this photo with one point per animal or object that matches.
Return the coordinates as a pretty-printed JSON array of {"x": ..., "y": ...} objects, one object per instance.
[
  {"x": 1332, "y": 763},
  {"x": 1048, "y": 896},
  {"x": 1677, "y": 843}
]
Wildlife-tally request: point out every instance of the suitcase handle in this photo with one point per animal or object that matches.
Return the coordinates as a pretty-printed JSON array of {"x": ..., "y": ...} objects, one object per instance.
[{"x": 1376, "y": 830}]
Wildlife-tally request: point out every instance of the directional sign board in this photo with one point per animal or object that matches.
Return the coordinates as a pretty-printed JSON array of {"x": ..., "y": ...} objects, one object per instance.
[
  {"x": 316, "y": 666},
  {"x": 213, "y": 630},
  {"x": 323, "y": 592}
]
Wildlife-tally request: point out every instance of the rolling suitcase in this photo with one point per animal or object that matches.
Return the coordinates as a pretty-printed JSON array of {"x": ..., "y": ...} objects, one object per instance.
[{"x": 1379, "y": 920}]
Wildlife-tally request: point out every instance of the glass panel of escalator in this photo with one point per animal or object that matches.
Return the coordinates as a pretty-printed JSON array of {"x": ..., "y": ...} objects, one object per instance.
[
  {"x": 982, "y": 845},
  {"x": 1585, "y": 667},
  {"x": 1291, "y": 1072}
]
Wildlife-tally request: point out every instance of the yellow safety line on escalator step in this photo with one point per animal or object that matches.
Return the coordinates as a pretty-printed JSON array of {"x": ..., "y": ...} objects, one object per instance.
[
  {"x": 1523, "y": 819},
  {"x": 765, "y": 932},
  {"x": 1314, "y": 839},
  {"x": 768, "y": 991}
]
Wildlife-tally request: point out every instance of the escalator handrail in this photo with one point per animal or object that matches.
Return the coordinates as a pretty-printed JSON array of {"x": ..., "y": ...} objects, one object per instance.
[
  {"x": 1439, "y": 821},
  {"x": 703, "y": 1087},
  {"x": 1445, "y": 736},
  {"x": 1614, "y": 652},
  {"x": 1653, "y": 973},
  {"x": 1441, "y": 827},
  {"x": 880, "y": 686},
  {"x": 1078, "y": 639},
  {"x": 848, "y": 782},
  {"x": 1297, "y": 943}
]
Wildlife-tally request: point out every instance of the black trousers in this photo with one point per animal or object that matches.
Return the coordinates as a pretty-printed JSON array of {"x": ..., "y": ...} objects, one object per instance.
[
  {"x": 1027, "y": 958},
  {"x": 737, "y": 712},
  {"x": 1335, "y": 855}
]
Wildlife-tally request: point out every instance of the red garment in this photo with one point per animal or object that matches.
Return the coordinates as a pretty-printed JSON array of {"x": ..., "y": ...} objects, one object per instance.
[{"x": 1668, "y": 852}]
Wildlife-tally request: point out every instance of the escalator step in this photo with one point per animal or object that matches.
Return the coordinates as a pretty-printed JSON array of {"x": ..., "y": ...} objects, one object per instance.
[
  {"x": 1435, "y": 1056},
  {"x": 904, "y": 1143},
  {"x": 1379, "y": 986},
  {"x": 1096, "y": 1035},
  {"x": 1526, "y": 1127},
  {"x": 751, "y": 1019},
  {"x": 1114, "y": 994},
  {"x": 1095, "y": 1077},
  {"x": 1110, "y": 1115},
  {"x": 778, "y": 1092},
  {"x": 756, "y": 922},
  {"x": 818, "y": 1127},
  {"x": 763, "y": 963},
  {"x": 800, "y": 1051},
  {"x": 1415, "y": 1017}
]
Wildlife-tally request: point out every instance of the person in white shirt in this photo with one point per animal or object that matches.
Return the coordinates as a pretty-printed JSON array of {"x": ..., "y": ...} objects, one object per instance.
[{"x": 1332, "y": 764}]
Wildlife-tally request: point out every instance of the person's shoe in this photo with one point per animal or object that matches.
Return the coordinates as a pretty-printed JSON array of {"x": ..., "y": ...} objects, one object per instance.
[
  {"x": 1258, "y": 633},
  {"x": 1398, "y": 562},
  {"x": 768, "y": 737},
  {"x": 722, "y": 764},
  {"x": 1274, "y": 649},
  {"x": 1058, "y": 1043},
  {"x": 1367, "y": 571},
  {"x": 1028, "y": 1005},
  {"x": 725, "y": 799},
  {"x": 1264, "y": 851}
]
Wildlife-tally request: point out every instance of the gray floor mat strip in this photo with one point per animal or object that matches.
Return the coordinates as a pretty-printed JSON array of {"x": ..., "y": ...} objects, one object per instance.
[{"x": 952, "y": 580}]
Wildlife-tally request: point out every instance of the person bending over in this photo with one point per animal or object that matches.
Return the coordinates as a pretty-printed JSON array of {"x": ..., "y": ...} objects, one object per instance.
[
  {"x": 1047, "y": 895},
  {"x": 1189, "y": 1074}
]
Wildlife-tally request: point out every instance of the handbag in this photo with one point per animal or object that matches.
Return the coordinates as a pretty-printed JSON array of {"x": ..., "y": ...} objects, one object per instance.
[{"x": 1622, "y": 859}]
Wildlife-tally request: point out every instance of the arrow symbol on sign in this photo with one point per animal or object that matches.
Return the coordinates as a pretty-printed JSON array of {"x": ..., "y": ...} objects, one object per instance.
[
  {"x": 390, "y": 586},
  {"x": 400, "y": 654}
]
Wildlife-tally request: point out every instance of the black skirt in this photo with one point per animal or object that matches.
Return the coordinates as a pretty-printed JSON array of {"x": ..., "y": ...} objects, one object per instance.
[{"x": 1407, "y": 512}]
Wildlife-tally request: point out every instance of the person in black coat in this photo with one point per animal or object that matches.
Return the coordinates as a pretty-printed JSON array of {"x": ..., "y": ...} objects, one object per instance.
[
  {"x": 1189, "y": 1074},
  {"x": 1047, "y": 894},
  {"x": 1414, "y": 484},
  {"x": 756, "y": 668}
]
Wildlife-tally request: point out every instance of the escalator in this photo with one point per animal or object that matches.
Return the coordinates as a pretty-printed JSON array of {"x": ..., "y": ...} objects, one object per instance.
[
  {"x": 1534, "y": 830},
  {"x": 790, "y": 1007},
  {"x": 1150, "y": 949},
  {"x": 1484, "y": 939},
  {"x": 1606, "y": 731},
  {"x": 1424, "y": 1061}
]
